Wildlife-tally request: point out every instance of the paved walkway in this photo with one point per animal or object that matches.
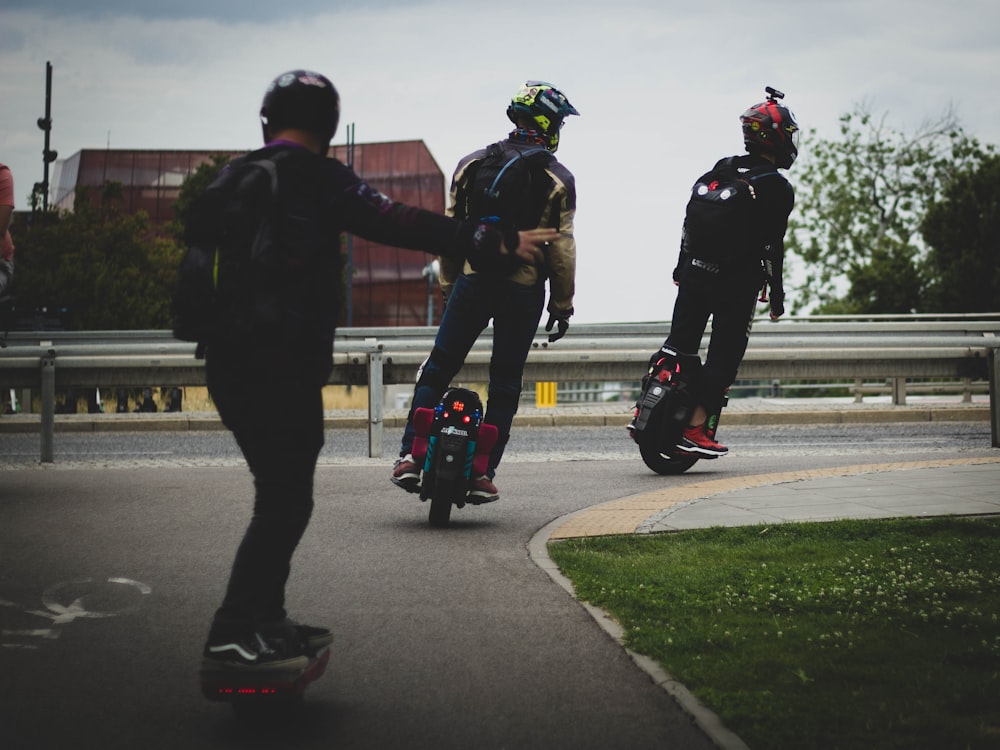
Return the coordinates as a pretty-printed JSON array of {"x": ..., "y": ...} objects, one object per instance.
[{"x": 959, "y": 486}]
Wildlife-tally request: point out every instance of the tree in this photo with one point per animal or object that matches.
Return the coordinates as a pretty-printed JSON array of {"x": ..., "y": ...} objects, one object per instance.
[
  {"x": 962, "y": 231},
  {"x": 860, "y": 201},
  {"x": 106, "y": 266},
  {"x": 193, "y": 186}
]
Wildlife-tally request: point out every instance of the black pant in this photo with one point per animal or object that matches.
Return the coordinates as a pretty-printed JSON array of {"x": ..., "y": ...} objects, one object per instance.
[
  {"x": 277, "y": 421},
  {"x": 731, "y": 301}
]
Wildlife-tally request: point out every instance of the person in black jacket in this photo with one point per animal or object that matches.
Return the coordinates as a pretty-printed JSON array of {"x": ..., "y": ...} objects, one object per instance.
[
  {"x": 719, "y": 276},
  {"x": 281, "y": 434}
]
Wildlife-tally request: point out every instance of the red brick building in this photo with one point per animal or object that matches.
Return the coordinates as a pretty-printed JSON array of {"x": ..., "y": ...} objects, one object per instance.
[{"x": 390, "y": 286}]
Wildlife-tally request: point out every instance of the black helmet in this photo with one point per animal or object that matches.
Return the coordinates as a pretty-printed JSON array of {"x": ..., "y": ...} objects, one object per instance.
[
  {"x": 301, "y": 99},
  {"x": 545, "y": 105},
  {"x": 770, "y": 128}
]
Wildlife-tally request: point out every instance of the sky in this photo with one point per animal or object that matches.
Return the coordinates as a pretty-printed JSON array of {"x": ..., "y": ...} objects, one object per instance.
[{"x": 659, "y": 84}]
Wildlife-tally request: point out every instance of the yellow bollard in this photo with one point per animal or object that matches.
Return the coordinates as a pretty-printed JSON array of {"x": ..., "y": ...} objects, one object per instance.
[{"x": 545, "y": 395}]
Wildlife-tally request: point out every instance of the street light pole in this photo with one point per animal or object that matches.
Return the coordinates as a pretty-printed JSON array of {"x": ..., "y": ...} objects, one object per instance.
[{"x": 48, "y": 155}]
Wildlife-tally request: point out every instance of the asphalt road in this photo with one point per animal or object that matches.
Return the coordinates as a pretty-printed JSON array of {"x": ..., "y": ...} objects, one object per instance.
[{"x": 113, "y": 559}]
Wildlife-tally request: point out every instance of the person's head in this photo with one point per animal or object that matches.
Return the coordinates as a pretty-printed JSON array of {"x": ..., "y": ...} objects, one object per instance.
[
  {"x": 301, "y": 100},
  {"x": 770, "y": 130},
  {"x": 541, "y": 107}
]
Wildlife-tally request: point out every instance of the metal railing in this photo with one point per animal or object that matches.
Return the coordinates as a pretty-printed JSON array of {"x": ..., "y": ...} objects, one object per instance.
[{"x": 890, "y": 349}]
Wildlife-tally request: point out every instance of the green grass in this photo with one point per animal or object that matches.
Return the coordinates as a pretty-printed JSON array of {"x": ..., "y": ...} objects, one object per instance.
[{"x": 852, "y": 634}]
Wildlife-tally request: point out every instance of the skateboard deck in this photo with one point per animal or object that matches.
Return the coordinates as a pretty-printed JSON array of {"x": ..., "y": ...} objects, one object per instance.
[{"x": 241, "y": 686}]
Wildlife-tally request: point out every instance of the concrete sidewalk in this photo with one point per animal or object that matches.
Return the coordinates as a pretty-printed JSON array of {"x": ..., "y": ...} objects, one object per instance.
[{"x": 921, "y": 489}]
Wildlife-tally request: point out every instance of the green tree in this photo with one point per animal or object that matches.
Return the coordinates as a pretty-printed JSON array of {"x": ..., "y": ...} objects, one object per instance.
[
  {"x": 106, "y": 266},
  {"x": 962, "y": 231},
  {"x": 193, "y": 186},
  {"x": 860, "y": 201}
]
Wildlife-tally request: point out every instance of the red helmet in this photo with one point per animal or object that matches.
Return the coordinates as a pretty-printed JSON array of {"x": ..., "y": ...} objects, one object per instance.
[{"x": 770, "y": 128}]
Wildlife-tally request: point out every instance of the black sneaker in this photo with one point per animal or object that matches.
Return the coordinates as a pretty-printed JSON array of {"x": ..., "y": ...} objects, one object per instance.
[
  {"x": 406, "y": 473},
  {"x": 253, "y": 653},
  {"x": 310, "y": 638}
]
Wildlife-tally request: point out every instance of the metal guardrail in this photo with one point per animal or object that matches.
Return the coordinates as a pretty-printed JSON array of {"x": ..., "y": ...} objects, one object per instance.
[{"x": 897, "y": 349}]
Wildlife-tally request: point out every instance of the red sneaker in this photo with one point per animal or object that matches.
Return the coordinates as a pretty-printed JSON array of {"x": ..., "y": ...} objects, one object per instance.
[
  {"x": 695, "y": 441},
  {"x": 482, "y": 490},
  {"x": 406, "y": 473}
]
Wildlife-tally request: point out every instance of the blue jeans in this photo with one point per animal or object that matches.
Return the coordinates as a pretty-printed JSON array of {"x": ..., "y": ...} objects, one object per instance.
[{"x": 515, "y": 310}]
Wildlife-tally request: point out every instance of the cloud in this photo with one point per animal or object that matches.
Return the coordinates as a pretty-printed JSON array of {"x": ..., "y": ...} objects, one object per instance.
[
  {"x": 225, "y": 11},
  {"x": 659, "y": 89}
]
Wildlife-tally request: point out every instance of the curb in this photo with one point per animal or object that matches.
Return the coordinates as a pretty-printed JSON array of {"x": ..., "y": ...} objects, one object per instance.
[
  {"x": 703, "y": 717},
  {"x": 201, "y": 421}
]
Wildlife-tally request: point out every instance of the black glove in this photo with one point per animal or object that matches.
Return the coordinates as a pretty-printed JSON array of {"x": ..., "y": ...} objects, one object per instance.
[
  {"x": 487, "y": 256},
  {"x": 777, "y": 302},
  {"x": 563, "y": 325}
]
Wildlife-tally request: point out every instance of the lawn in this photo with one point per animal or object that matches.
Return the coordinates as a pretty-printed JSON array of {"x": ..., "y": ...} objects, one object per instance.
[{"x": 852, "y": 634}]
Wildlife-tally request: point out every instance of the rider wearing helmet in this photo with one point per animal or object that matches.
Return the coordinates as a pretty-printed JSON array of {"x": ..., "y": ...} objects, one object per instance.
[
  {"x": 268, "y": 388},
  {"x": 514, "y": 301},
  {"x": 722, "y": 283}
]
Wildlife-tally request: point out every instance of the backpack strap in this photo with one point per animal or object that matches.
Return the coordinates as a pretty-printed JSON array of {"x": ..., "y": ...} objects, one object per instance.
[{"x": 492, "y": 192}]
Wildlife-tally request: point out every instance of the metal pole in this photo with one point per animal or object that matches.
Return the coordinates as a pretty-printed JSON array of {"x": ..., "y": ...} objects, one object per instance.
[
  {"x": 993, "y": 366},
  {"x": 47, "y": 419},
  {"x": 45, "y": 123},
  {"x": 350, "y": 237},
  {"x": 376, "y": 422}
]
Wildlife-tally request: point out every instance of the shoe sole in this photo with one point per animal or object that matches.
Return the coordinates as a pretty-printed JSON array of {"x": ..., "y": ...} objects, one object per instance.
[
  {"x": 409, "y": 483},
  {"x": 693, "y": 450},
  {"x": 284, "y": 667},
  {"x": 481, "y": 499}
]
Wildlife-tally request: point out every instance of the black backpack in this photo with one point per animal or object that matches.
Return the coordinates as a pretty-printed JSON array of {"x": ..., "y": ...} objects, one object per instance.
[
  {"x": 226, "y": 281},
  {"x": 508, "y": 191},
  {"x": 718, "y": 223}
]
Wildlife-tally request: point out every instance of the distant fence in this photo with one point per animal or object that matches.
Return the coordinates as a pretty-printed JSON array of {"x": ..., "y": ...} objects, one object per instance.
[{"x": 888, "y": 350}]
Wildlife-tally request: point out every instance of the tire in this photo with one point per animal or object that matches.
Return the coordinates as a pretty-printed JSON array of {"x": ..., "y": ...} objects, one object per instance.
[
  {"x": 666, "y": 464},
  {"x": 441, "y": 502}
]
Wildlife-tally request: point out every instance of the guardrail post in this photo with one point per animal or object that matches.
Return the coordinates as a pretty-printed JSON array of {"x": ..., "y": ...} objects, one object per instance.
[
  {"x": 993, "y": 366},
  {"x": 899, "y": 391},
  {"x": 376, "y": 405},
  {"x": 48, "y": 415}
]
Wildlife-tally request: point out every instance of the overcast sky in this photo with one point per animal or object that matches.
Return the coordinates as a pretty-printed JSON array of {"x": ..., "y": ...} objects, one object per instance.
[{"x": 660, "y": 86}]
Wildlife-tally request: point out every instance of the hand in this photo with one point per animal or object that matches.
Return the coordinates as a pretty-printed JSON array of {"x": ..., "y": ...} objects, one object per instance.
[
  {"x": 777, "y": 304},
  {"x": 561, "y": 323},
  {"x": 531, "y": 242}
]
